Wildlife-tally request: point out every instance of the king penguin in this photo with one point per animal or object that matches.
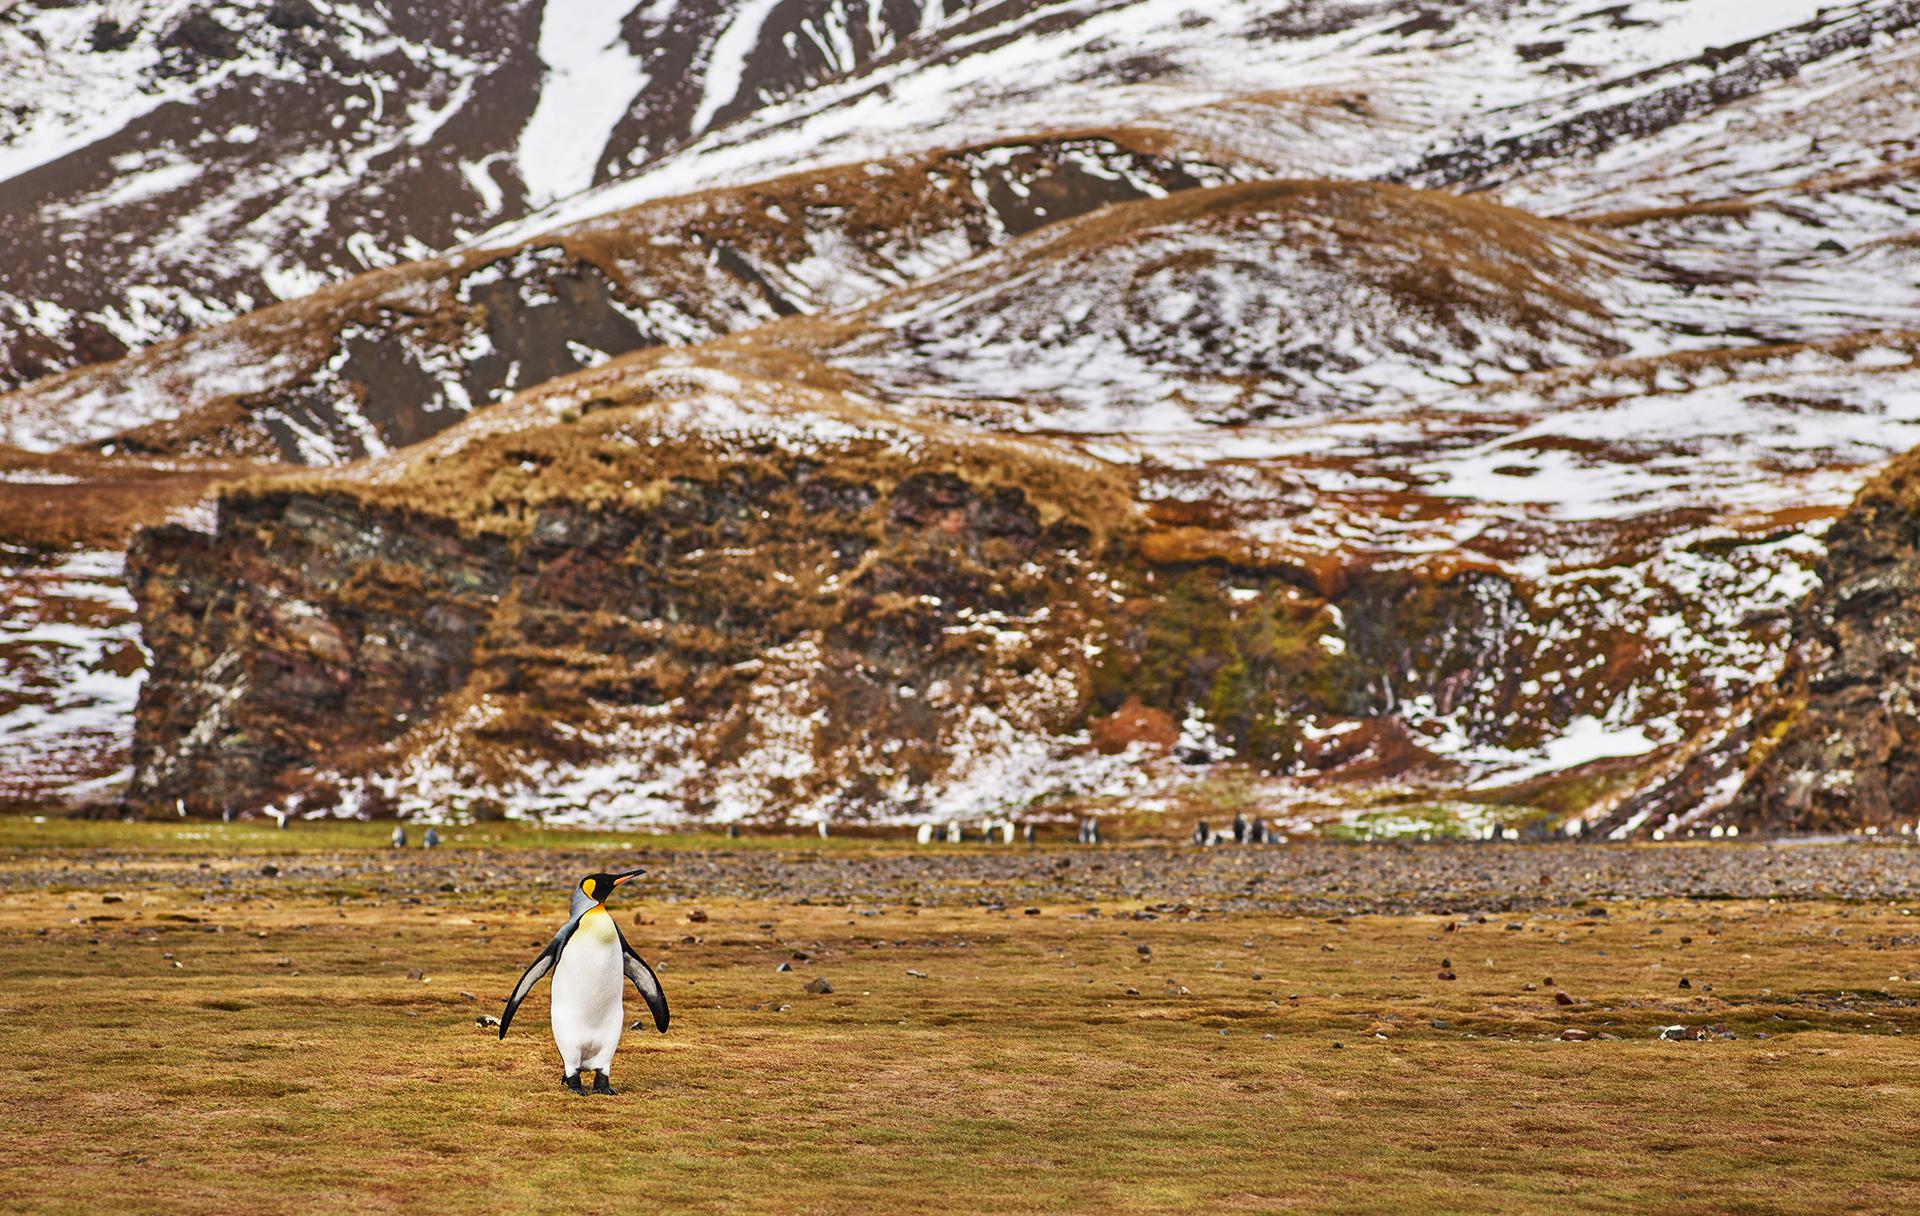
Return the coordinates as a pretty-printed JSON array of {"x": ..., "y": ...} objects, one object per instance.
[{"x": 589, "y": 957}]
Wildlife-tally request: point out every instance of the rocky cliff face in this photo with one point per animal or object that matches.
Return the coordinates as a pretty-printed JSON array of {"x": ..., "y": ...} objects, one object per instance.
[
  {"x": 1839, "y": 747},
  {"x": 661, "y": 601}
]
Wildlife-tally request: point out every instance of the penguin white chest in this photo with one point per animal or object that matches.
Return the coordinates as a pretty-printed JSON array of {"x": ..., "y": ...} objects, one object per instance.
[{"x": 587, "y": 1011}]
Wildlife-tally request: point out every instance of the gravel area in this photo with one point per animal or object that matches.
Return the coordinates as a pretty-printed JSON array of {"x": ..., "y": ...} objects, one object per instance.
[{"x": 1313, "y": 879}]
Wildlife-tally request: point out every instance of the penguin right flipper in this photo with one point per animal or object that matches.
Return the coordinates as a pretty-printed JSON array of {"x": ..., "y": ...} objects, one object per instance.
[
  {"x": 644, "y": 979},
  {"x": 540, "y": 966}
]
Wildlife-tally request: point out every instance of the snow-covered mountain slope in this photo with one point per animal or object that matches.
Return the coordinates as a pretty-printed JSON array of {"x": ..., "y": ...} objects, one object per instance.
[
  {"x": 168, "y": 163},
  {"x": 1433, "y": 413},
  {"x": 1249, "y": 301},
  {"x": 392, "y": 355}
]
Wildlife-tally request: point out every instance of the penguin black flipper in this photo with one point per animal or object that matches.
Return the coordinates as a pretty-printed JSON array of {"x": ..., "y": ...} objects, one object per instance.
[
  {"x": 644, "y": 979},
  {"x": 540, "y": 966}
]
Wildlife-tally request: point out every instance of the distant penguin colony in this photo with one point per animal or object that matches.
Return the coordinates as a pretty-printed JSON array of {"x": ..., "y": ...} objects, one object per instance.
[
  {"x": 589, "y": 958},
  {"x": 1245, "y": 831}
]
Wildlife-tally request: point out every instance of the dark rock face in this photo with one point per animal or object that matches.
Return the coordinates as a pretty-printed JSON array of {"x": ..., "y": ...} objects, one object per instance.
[
  {"x": 1840, "y": 746},
  {"x": 304, "y": 641},
  {"x": 297, "y": 633}
]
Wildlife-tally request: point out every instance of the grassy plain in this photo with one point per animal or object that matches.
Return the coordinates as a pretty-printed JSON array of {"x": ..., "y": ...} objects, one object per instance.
[{"x": 181, "y": 1031}]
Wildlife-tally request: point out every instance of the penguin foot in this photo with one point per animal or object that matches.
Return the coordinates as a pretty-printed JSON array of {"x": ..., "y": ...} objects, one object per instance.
[
  {"x": 572, "y": 1081},
  {"x": 603, "y": 1086}
]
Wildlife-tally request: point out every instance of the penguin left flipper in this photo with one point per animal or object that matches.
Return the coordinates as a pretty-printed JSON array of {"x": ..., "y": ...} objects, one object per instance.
[
  {"x": 643, "y": 979},
  {"x": 539, "y": 967}
]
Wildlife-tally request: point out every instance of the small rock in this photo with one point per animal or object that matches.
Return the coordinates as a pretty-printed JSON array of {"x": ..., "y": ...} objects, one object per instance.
[
  {"x": 1448, "y": 975},
  {"x": 1685, "y": 982},
  {"x": 113, "y": 899},
  {"x": 1145, "y": 950},
  {"x": 1561, "y": 998},
  {"x": 1033, "y": 911},
  {"x": 468, "y": 996},
  {"x": 270, "y": 870},
  {"x": 1677, "y": 1034},
  {"x": 784, "y": 967},
  {"x": 487, "y": 1019},
  {"x": 416, "y": 974},
  {"x": 820, "y": 986},
  {"x": 1440, "y": 1023},
  {"x": 698, "y": 916},
  {"x": 918, "y": 975},
  {"x": 1575, "y": 1035}
]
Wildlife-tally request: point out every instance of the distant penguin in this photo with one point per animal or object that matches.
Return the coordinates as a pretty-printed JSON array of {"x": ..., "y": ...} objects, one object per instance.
[
  {"x": 279, "y": 816},
  {"x": 925, "y": 834},
  {"x": 431, "y": 840},
  {"x": 1031, "y": 835},
  {"x": 1201, "y": 833},
  {"x": 589, "y": 958},
  {"x": 399, "y": 837},
  {"x": 180, "y": 805},
  {"x": 1256, "y": 832},
  {"x": 733, "y": 831},
  {"x": 1239, "y": 828},
  {"x": 226, "y": 815},
  {"x": 955, "y": 834},
  {"x": 823, "y": 829}
]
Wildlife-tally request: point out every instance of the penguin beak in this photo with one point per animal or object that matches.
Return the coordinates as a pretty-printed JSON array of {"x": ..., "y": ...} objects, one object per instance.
[{"x": 620, "y": 878}]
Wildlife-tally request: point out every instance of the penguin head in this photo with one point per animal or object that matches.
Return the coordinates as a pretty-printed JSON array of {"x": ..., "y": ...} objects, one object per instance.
[{"x": 597, "y": 887}]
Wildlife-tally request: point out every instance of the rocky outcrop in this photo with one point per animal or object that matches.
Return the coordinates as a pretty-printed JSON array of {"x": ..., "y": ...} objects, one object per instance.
[
  {"x": 1839, "y": 746},
  {"x": 687, "y": 595}
]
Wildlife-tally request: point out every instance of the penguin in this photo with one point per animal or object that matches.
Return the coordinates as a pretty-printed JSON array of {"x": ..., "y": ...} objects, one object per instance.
[
  {"x": 280, "y": 817},
  {"x": 180, "y": 805},
  {"x": 925, "y": 834},
  {"x": 1201, "y": 833},
  {"x": 431, "y": 840},
  {"x": 954, "y": 834},
  {"x": 823, "y": 829},
  {"x": 588, "y": 958},
  {"x": 1031, "y": 835},
  {"x": 399, "y": 837},
  {"x": 1239, "y": 828}
]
